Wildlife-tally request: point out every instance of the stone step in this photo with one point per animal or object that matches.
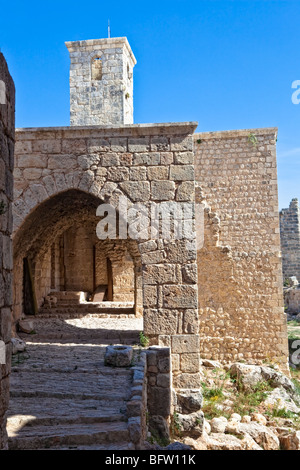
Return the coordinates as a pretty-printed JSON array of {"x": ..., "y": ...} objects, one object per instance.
[
  {"x": 17, "y": 422},
  {"x": 78, "y": 315},
  {"x": 104, "y": 339},
  {"x": 69, "y": 305},
  {"x": 54, "y": 410},
  {"x": 54, "y": 384},
  {"x": 63, "y": 396},
  {"x": 93, "y": 328},
  {"x": 115, "y": 446},
  {"x": 68, "y": 295},
  {"x": 87, "y": 309},
  {"x": 38, "y": 437}
]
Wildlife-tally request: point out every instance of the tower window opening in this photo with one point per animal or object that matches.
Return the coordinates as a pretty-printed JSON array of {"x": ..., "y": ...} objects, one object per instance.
[{"x": 97, "y": 68}]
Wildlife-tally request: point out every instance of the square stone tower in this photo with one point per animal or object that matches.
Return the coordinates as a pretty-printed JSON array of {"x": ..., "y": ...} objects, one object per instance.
[{"x": 101, "y": 82}]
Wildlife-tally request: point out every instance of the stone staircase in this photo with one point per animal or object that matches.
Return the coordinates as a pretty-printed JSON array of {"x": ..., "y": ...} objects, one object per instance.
[
  {"x": 76, "y": 304},
  {"x": 62, "y": 394}
]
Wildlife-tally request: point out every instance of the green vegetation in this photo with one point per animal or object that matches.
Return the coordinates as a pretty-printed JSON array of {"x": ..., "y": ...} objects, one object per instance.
[
  {"x": 144, "y": 340},
  {"x": 293, "y": 323},
  {"x": 252, "y": 139},
  {"x": 175, "y": 425},
  {"x": 227, "y": 396}
]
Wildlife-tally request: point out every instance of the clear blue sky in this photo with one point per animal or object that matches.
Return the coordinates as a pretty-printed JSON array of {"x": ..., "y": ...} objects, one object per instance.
[{"x": 227, "y": 64}]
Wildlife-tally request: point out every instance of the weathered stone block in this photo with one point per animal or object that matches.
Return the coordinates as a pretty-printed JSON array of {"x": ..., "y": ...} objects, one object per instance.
[
  {"x": 190, "y": 322},
  {"x": 190, "y": 362},
  {"x": 150, "y": 296},
  {"x": 139, "y": 144},
  {"x": 137, "y": 190},
  {"x": 162, "y": 190},
  {"x": 160, "y": 274},
  {"x": 159, "y": 402},
  {"x": 180, "y": 296},
  {"x": 138, "y": 173},
  {"x": 146, "y": 158},
  {"x": 185, "y": 192},
  {"x": 158, "y": 172},
  {"x": 185, "y": 344},
  {"x": 160, "y": 321},
  {"x": 182, "y": 173},
  {"x": 185, "y": 380},
  {"x": 184, "y": 158},
  {"x": 118, "y": 174},
  {"x": 32, "y": 161},
  {"x": 163, "y": 380},
  {"x": 110, "y": 159},
  {"x": 189, "y": 401}
]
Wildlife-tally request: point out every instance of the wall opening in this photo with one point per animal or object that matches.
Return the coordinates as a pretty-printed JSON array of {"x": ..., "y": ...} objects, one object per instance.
[
  {"x": 62, "y": 253},
  {"x": 97, "y": 68}
]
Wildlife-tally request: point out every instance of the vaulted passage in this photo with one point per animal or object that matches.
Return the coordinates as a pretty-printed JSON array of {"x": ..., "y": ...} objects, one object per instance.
[{"x": 61, "y": 266}]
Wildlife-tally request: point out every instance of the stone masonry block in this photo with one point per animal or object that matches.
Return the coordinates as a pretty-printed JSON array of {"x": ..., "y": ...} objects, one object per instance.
[
  {"x": 185, "y": 344},
  {"x": 182, "y": 173},
  {"x": 137, "y": 191},
  {"x": 162, "y": 190},
  {"x": 159, "y": 402},
  {"x": 160, "y": 321},
  {"x": 139, "y": 144},
  {"x": 180, "y": 296},
  {"x": 150, "y": 296},
  {"x": 160, "y": 274},
  {"x": 190, "y": 362},
  {"x": 158, "y": 172},
  {"x": 182, "y": 143}
]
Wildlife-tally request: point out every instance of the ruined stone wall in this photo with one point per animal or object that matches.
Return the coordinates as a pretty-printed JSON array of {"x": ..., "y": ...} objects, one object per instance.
[
  {"x": 150, "y": 164},
  {"x": 239, "y": 266},
  {"x": 290, "y": 240},
  {"x": 7, "y": 132}
]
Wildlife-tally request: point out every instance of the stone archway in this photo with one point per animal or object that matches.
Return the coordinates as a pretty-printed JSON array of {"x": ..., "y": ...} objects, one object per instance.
[
  {"x": 58, "y": 240},
  {"x": 150, "y": 165}
]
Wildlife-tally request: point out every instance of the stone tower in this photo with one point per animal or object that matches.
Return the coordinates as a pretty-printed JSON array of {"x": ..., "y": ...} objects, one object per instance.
[
  {"x": 290, "y": 240},
  {"x": 101, "y": 82}
]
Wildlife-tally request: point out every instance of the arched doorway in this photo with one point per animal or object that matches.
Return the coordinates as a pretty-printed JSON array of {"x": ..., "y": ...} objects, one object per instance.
[{"x": 57, "y": 250}]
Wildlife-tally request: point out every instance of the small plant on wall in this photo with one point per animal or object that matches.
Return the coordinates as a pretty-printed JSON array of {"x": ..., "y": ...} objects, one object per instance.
[
  {"x": 144, "y": 340},
  {"x": 252, "y": 139}
]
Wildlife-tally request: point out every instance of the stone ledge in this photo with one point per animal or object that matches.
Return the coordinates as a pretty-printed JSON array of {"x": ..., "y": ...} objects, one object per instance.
[
  {"x": 236, "y": 133},
  {"x": 127, "y": 130}
]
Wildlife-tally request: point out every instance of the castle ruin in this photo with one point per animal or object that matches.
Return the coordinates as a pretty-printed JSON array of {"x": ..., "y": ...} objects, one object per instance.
[{"x": 217, "y": 298}]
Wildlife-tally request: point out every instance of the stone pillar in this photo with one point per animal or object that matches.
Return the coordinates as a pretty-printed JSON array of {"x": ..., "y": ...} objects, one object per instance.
[
  {"x": 101, "y": 82},
  {"x": 7, "y": 132},
  {"x": 170, "y": 270},
  {"x": 290, "y": 240}
]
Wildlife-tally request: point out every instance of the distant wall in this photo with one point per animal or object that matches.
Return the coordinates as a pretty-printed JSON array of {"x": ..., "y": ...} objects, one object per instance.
[
  {"x": 7, "y": 131},
  {"x": 290, "y": 240},
  {"x": 239, "y": 267}
]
